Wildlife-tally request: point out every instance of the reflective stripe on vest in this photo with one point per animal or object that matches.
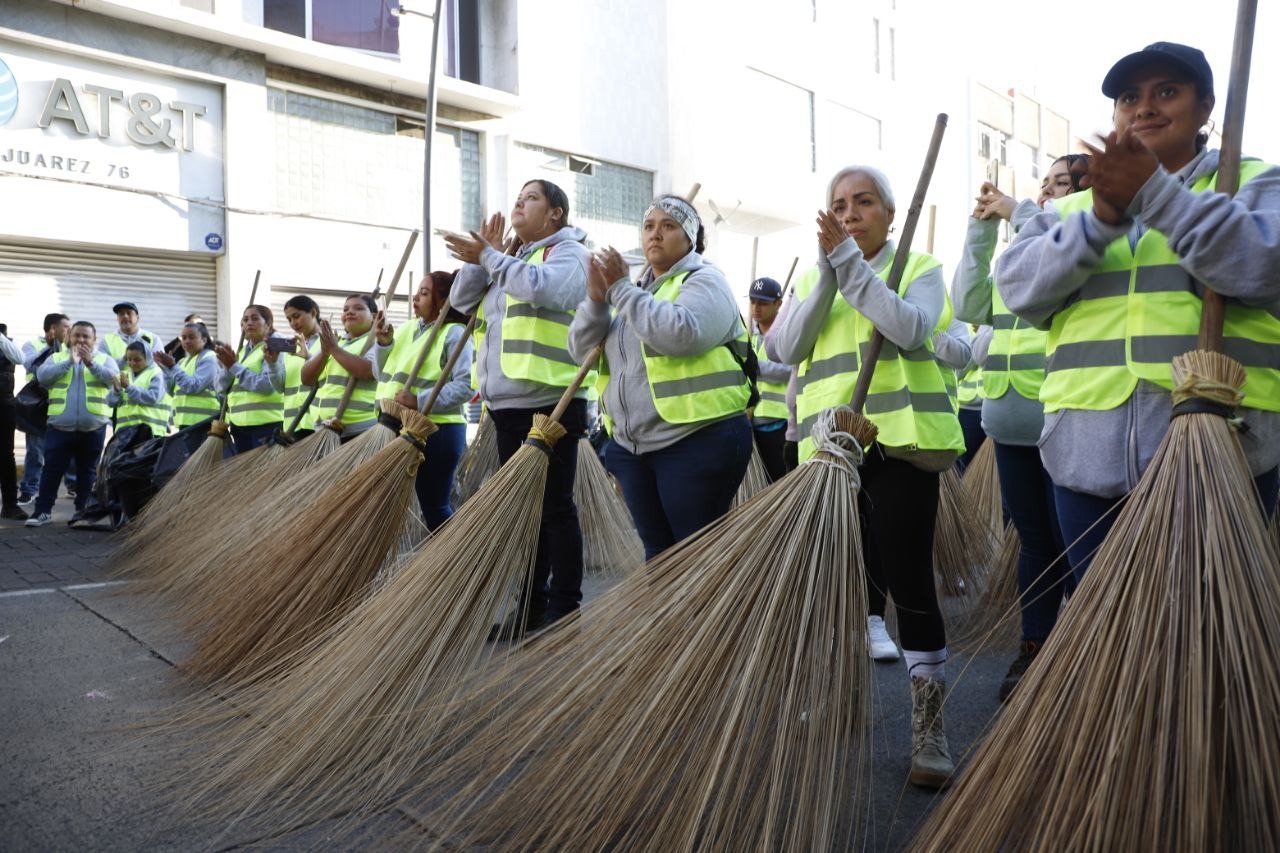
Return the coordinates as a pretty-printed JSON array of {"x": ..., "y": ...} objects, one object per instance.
[
  {"x": 908, "y": 400},
  {"x": 535, "y": 340},
  {"x": 129, "y": 413},
  {"x": 1016, "y": 356},
  {"x": 363, "y": 407},
  {"x": 694, "y": 388},
  {"x": 116, "y": 344},
  {"x": 773, "y": 395},
  {"x": 247, "y": 408},
  {"x": 95, "y": 392},
  {"x": 970, "y": 382},
  {"x": 191, "y": 409},
  {"x": 409, "y": 340},
  {"x": 1136, "y": 311}
]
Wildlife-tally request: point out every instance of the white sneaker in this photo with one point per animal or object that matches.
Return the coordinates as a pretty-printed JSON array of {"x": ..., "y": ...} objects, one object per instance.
[
  {"x": 879, "y": 644},
  {"x": 39, "y": 520}
]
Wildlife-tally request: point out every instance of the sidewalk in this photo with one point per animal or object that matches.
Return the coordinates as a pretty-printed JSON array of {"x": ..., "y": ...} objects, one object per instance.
[{"x": 53, "y": 555}]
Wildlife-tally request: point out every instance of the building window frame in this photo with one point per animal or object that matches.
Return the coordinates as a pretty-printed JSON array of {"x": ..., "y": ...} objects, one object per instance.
[{"x": 308, "y": 32}]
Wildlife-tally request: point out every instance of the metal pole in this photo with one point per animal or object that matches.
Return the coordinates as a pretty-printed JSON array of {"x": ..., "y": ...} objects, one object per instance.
[{"x": 428, "y": 132}]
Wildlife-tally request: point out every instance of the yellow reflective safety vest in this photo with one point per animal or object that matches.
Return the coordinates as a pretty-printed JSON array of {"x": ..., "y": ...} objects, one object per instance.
[
  {"x": 95, "y": 392},
  {"x": 689, "y": 389},
  {"x": 409, "y": 340},
  {"x": 191, "y": 409},
  {"x": 1136, "y": 311},
  {"x": 116, "y": 345},
  {"x": 362, "y": 410},
  {"x": 156, "y": 416},
  {"x": 970, "y": 385},
  {"x": 248, "y": 408},
  {"x": 773, "y": 395},
  {"x": 908, "y": 400},
  {"x": 295, "y": 393},
  {"x": 1016, "y": 357},
  {"x": 535, "y": 340}
]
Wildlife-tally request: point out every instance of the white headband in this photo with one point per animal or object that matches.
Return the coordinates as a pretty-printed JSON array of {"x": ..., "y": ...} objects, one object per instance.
[{"x": 681, "y": 211}]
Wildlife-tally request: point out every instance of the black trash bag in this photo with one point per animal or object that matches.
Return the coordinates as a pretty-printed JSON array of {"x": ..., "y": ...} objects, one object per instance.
[
  {"x": 124, "y": 481},
  {"x": 598, "y": 435}
]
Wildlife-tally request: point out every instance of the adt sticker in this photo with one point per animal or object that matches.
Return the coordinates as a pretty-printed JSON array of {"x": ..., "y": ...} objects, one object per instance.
[
  {"x": 8, "y": 94},
  {"x": 213, "y": 241}
]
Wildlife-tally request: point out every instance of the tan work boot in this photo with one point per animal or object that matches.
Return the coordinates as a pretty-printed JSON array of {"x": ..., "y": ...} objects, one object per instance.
[{"x": 931, "y": 765}]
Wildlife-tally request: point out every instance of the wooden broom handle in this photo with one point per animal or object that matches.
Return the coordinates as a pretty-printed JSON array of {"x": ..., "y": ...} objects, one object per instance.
[
  {"x": 428, "y": 344},
  {"x": 1214, "y": 310},
  {"x": 868, "y": 368},
  {"x": 369, "y": 336},
  {"x": 790, "y": 273},
  {"x": 447, "y": 370},
  {"x": 253, "y": 298},
  {"x": 567, "y": 397}
]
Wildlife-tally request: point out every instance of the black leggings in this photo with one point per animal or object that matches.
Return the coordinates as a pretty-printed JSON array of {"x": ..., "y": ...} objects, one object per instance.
[
  {"x": 557, "y": 573},
  {"x": 898, "y": 506}
]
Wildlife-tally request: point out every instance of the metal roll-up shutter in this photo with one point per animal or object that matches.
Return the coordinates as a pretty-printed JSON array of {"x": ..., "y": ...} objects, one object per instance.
[{"x": 83, "y": 282}]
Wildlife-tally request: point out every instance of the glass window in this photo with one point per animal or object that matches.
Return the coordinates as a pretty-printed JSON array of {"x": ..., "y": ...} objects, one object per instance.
[
  {"x": 361, "y": 24},
  {"x": 461, "y": 35}
]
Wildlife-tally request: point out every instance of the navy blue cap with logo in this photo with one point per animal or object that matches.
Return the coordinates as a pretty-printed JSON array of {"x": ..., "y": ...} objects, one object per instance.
[
  {"x": 766, "y": 290},
  {"x": 1188, "y": 59}
]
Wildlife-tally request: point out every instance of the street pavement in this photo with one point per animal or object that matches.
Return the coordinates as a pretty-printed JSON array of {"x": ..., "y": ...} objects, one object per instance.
[{"x": 84, "y": 665}]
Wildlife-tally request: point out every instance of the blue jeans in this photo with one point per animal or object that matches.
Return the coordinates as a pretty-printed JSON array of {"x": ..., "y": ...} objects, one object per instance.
[
  {"x": 33, "y": 464},
  {"x": 557, "y": 571},
  {"x": 1079, "y": 512},
  {"x": 971, "y": 426},
  {"x": 62, "y": 449},
  {"x": 1028, "y": 495},
  {"x": 246, "y": 438},
  {"x": 680, "y": 489},
  {"x": 435, "y": 475}
]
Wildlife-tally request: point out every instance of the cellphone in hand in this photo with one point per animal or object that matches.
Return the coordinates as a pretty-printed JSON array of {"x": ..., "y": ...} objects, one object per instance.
[{"x": 277, "y": 343}]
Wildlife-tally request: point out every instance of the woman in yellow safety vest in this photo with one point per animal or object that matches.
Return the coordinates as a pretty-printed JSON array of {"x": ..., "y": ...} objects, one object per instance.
[
  {"x": 1116, "y": 274},
  {"x": 303, "y": 316},
  {"x": 1011, "y": 354},
  {"x": 253, "y": 405},
  {"x": 139, "y": 395},
  {"x": 674, "y": 390},
  {"x": 339, "y": 360},
  {"x": 837, "y": 306},
  {"x": 525, "y": 301},
  {"x": 192, "y": 379},
  {"x": 396, "y": 354}
]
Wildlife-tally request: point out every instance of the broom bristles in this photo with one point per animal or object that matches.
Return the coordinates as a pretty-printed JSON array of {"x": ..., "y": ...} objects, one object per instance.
[
  {"x": 314, "y": 568},
  {"x": 982, "y": 502},
  {"x": 610, "y": 543},
  {"x": 709, "y": 700},
  {"x": 955, "y": 555},
  {"x": 479, "y": 463},
  {"x": 1151, "y": 718},
  {"x": 203, "y": 565},
  {"x": 170, "y": 505},
  {"x": 993, "y": 621},
  {"x": 754, "y": 480},
  {"x": 335, "y": 729}
]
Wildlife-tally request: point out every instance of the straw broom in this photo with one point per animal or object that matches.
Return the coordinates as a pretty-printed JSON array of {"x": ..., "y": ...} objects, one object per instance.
[
  {"x": 705, "y": 699},
  {"x": 754, "y": 480},
  {"x": 288, "y": 598},
  {"x": 186, "y": 561},
  {"x": 610, "y": 543},
  {"x": 993, "y": 619},
  {"x": 984, "y": 505},
  {"x": 335, "y": 727},
  {"x": 176, "y": 498},
  {"x": 954, "y": 530},
  {"x": 479, "y": 463},
  {"x": 1151, "y": 719}
]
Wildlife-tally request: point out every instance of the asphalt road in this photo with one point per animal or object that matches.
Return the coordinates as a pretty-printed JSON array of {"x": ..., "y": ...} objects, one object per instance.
[{"x": 83, "y": 663}]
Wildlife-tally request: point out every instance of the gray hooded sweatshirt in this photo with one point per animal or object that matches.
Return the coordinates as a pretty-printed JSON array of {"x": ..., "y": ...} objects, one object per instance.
[
  {"x": 703, "y": 316},
  {"x": 1011, "y": 418},
  {"x": 559, "y": 283},
  {"x": 1232, "y": 242}
]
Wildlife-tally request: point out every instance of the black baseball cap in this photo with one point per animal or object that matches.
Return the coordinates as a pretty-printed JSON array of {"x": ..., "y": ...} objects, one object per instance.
[
  {"x": 120, "y": 306},
  {"x": 1189, "y": 59},
  {"x": 766, "y": 290}
]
